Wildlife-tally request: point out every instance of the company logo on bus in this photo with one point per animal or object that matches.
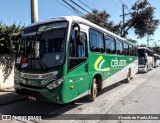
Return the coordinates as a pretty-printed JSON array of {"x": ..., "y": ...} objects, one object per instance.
[
  {"x": 114, "y": 63},
  {"x": 118, "y": 63},
  {"x": 99, "y": 63}
]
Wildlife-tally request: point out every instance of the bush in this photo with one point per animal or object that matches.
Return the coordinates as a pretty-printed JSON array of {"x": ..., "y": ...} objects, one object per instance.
[{"x": 6, "y": 47}]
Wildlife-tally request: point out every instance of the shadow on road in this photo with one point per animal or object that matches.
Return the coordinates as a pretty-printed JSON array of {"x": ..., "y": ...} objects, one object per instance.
[
  {"x": 7, "y": 98},
  {"x": 48, "y": 110}
]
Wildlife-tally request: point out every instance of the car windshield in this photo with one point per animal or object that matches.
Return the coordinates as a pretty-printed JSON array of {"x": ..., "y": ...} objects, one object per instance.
[{"x": 43, "y": 46}]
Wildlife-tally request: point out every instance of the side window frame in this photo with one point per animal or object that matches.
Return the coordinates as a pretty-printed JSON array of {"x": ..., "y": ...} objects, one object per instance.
[
  {"x": 103, "y": 40},
  {"x": 130, "y": 50},
  {"x": 127, "y": 54},
  {"x": 75, "y": 61},
  {"x": 120, "y": 43},
  {"x": 86, "y": 47},
  {"x": 136, "y": 51},
  {"x": 86, "y": 44},
  {"x": 111, "y": 41}
]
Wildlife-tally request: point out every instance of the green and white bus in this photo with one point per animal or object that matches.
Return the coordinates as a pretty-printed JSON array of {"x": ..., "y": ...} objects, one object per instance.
[{"x": 62, "y": 59}]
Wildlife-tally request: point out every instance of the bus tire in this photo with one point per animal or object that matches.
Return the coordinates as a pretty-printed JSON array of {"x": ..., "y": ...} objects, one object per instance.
[
  {"x": 146, "y": 69},
  {"x": 128, "y": 76},
  {"x": 94, "y": 90}
]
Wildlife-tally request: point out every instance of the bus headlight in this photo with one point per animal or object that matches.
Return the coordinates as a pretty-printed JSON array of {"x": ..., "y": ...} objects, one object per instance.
[{"x": 55, "y": 83}]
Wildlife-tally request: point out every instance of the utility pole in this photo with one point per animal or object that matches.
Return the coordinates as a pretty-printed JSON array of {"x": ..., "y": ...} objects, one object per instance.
[
  {"x": 147, "y": 40},
  {"x": 123, "y": 16},
  {"x": 155, "y": 44},
  {"x": 34, "y": 11}
]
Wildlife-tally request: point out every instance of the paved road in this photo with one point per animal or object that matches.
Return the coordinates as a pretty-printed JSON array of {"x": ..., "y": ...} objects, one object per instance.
[{"x": 140, "y": 96}]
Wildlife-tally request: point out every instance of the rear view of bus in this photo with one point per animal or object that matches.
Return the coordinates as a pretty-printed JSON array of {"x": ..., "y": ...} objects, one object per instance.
[{"x": 145, "y": 59}]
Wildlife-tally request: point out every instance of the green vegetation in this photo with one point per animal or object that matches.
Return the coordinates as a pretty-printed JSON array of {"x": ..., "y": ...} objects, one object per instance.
[
  {"x": 133, "y": 41},
  {"x": 5, "y": 33},
  {"x": 102, "y": 19},
  {"x": 6, "y": 54},
  {"x": 141, "y": 20}
]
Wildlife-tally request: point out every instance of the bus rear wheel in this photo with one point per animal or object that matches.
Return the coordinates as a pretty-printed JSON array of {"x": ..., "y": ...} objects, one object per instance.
[
  {"x": 94, "y": 90},
  {"x": 128, "y": 76}
]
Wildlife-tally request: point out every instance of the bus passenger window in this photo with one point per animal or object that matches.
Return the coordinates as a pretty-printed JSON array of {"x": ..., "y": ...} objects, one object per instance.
[
  {"x": 119, "y": 47},
  {"x": 82, "y": 46},
  {"x": 110, "y": 45},
  {"x": 130, "y": 50},
  {"x": 96, "y": 41},
  {"x": 72, "y": 45},
  {"x": 126, "y": 49},
  {"x": 134, "y": 51},
  {"x": 78, "y": 49}
]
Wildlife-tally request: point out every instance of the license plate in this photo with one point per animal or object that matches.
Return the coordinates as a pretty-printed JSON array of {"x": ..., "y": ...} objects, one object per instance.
[{"x": 32, "y": 98}]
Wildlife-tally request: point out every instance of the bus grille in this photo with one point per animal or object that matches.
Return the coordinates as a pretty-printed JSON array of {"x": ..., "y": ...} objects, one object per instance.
[{"x": 30, "y": 76}]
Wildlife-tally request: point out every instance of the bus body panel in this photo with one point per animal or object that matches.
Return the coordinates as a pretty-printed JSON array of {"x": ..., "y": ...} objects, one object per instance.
[
  {"x": 114, "y": 69},
  {"x": 78, "y": 80},
  {"x": 156, "y": 60}
]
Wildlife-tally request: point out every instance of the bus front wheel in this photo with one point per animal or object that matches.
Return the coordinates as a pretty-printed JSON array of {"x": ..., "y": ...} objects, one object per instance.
[
  {"x": 146, "y": 69},
  {"x": 94, "y": 90}
]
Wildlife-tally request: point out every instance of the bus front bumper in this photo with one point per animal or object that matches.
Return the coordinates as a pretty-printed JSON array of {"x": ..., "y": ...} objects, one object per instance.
[
  {"x": 141, "y": 68},
  {"x": 40, "y": 94}
]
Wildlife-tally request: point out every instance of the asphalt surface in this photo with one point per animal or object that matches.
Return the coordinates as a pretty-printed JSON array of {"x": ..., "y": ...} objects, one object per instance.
[{"x": 140, "y": 96}]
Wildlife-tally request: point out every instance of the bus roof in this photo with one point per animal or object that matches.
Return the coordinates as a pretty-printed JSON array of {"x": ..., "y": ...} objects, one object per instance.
[
  {"x": 145, "y": 48},
  {"x": 46, "y": 21},
  {"x": 79, "y": 20},
  {"x": 86, "y": 22},
  {"x": 156, "y": 55}
]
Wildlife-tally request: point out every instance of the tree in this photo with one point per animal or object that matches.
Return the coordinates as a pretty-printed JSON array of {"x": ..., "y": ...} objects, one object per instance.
[
  {"x": 142, "y": 20},
  {"x": 5, "y": 33},
  {"x": 143, "y": 45},
  {"x": 133, "y": 41},
  {"x": 101, "y": 18}
]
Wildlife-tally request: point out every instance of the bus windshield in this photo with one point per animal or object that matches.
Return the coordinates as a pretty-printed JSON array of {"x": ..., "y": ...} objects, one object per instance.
[
  {"x": 142, "y": 59},
  {"x": 141, "y": 51},
  {"x": 43, "y": 46}
]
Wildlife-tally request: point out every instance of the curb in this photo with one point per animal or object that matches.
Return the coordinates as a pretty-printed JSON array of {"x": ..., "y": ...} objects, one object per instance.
[{"x": 7, "y": 90}]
